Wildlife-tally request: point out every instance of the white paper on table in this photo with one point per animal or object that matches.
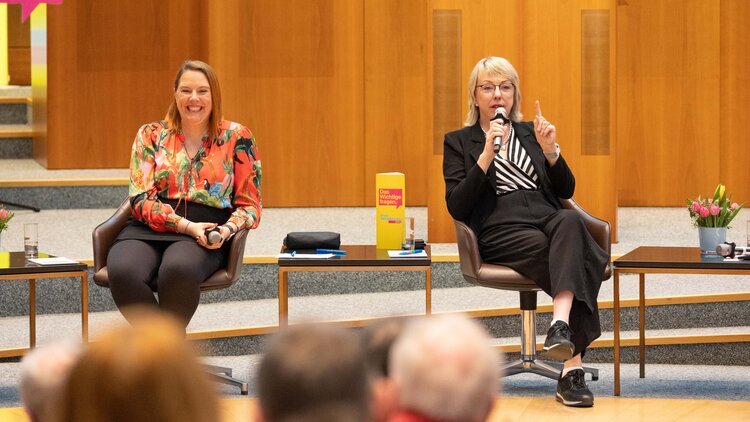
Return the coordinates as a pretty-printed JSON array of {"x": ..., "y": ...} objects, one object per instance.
[
  {"x": 306, "y": 255},
  {"x": 397, "y": 254},
  {"x": 53, "y": 261}
]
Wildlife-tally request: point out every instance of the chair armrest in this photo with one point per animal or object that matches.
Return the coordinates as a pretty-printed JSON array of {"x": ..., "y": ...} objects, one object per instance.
[
  {"x": 599, "y": 229},
  {"x": 236, "y": 254},
  {"x": 468, "y": 250},
  {"x": 104, "y": 234}
]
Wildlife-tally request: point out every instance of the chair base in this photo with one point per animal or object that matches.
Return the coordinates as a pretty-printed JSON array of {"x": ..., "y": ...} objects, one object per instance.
[
  {"x": 541, "y": 367},
  {"x": 224, "y": 375}
]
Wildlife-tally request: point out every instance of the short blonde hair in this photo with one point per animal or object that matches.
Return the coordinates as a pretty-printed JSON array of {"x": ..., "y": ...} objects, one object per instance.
[
  {"x": 44, "y": 372},
  {"x": 138, "y": 373},
  {"x": 496, "y": 66},
  {"x": 173, "y": 118}
]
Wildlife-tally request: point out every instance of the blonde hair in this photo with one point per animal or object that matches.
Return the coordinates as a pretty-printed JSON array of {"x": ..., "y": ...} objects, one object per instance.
[
  {"x": 495, "y": 66},
  {"x": 173, "y": 118},
  {"x": 138, "y": 373},
  {"x": 44, "y": 372}
]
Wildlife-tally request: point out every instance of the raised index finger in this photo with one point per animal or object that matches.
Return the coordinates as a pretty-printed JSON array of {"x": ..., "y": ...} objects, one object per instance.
[{"x": 538, "y": 109}]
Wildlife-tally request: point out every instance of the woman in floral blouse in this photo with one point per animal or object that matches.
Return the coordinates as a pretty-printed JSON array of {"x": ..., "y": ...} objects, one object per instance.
[{"x": 189, "y": 173}]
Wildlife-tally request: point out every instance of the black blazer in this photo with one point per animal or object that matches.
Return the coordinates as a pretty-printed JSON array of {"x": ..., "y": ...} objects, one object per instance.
[{"x": 471, "y": 193}]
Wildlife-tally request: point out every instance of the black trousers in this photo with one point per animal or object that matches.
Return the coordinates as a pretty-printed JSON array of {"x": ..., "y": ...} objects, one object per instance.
[
  {"x": 174, "y": 270},
  {"x": 552, "y": 247}
]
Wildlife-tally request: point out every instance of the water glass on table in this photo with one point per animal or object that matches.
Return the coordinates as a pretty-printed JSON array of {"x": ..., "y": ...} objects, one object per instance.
[
  {"x": 31, "y": 240},
  {"x": 408, "y": 243}
]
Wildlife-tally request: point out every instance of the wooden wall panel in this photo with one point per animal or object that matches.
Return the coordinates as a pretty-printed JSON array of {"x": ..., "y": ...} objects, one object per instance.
[
  {"x": 110, "y": 68},
  {"x": 337, "y": 90},
  {"x": 397, "y": 96},
  {"x": 292, "y": 71},
  {"x": 553, "y": 75},
  {"x": 734, "y": 164},
  {"x": 668, "y": 69},
  {"x": 19, "y": 47},
  {"x": 596, "y": 76},
  {"x": 446, "y": 30},
  {"x": 488, "y": 28}
]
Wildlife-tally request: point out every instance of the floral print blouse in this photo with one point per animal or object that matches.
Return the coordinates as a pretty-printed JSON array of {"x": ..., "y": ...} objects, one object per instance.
[{"x": 225, "y": 173}]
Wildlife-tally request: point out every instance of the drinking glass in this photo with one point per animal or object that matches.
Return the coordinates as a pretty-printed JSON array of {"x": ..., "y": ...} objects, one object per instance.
[
  {"x": 31, "y": 240},
  {"x": 408, "y": 243}
]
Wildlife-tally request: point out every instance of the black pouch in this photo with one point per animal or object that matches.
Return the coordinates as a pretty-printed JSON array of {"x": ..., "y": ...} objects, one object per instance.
[{"x": 312, "y": 240}]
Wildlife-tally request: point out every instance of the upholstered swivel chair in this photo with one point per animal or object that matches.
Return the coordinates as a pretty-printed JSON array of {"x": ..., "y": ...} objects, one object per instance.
[
  {"x": 500, "y": 277},
  {"x": 104, "y": 236}
]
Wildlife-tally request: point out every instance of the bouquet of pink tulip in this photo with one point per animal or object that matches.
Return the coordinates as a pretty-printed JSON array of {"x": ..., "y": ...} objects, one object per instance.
[
  {"x": 713, "y": 212},
  {"x": 5, "y": 217}
]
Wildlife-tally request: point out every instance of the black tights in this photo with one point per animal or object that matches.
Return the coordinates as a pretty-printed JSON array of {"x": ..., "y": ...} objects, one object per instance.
[{"x": 175, "y": 270}]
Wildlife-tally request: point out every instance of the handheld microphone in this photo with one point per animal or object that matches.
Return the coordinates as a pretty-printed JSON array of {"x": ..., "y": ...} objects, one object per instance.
[
  {"x": 213, "y": 236},
  {"x": 501, "y": 114},
  {"x": 729, "y": 250}
]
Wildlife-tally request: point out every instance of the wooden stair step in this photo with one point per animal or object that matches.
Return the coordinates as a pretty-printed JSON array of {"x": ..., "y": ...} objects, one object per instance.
[
  {"x": 16, "y": 131},
  {"x": 15, "y": 100}
]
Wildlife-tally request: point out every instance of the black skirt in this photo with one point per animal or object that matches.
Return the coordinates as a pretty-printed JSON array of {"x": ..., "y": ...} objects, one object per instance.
[{"x": 196, "y": 212}]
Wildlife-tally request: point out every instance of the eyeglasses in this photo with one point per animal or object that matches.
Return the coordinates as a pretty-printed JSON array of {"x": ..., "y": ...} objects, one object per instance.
[{"x": 506, "y": 88}]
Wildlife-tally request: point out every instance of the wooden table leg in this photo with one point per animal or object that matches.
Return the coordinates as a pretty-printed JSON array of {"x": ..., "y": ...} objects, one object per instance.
[
  {"x": 428, "y": 290},
  {"x": 32, "y": 313},
  {"x": 616, "y": 329},
  {"x": 85, "y": 306},
  {"x": 642, "y": 323},
  {"x": 283, "y": 297}
]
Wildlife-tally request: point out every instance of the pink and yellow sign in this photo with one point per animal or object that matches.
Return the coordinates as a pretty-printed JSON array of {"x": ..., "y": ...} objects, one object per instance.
[{"x": 389, "y": 209}]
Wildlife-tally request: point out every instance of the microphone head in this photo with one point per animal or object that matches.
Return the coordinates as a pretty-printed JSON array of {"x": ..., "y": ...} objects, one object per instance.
[
  {"x": 213, "y": 236},
  {"x": 501, "y": 114}
]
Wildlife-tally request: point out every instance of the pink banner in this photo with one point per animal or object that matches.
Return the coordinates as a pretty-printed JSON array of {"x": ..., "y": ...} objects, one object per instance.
[
  {"x": 390, "y": 197},
  {"x": 28, "y": 6}
]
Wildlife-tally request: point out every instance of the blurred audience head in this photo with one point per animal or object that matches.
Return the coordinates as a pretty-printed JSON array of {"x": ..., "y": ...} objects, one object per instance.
[
  {"x": 142, "y": 372},
  {"x": 445, "y": 369},
  {"x": 44, "y": 371},
  {"x": 377, "y": 340},
  {"x": 313, "y": 373}
]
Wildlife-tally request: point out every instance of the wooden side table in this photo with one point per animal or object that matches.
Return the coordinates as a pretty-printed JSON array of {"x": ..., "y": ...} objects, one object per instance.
[
  {"x": 660, "y": 260},
  {"x": 14, "y": 266},
  {"x": 359, "y": 258}
]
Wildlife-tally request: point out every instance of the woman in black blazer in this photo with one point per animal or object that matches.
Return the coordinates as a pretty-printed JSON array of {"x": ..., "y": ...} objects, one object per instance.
[{"x": 504, "y": 178}]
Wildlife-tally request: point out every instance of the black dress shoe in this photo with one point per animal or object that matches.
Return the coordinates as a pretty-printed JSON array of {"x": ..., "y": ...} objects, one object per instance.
[
  {"x": 572, "y": 390},
  {"x": 558, "y": 345}
]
